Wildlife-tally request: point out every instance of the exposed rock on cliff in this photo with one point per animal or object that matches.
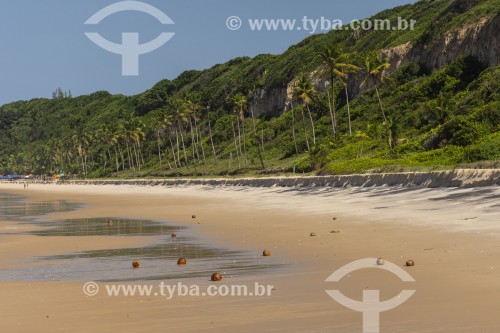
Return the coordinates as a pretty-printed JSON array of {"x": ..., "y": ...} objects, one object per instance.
[
  {"x": 480, "y": 39},
  {"x": 268, "y": 101}
]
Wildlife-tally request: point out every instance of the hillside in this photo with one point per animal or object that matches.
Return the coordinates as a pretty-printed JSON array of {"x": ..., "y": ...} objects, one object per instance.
[{"x": 439, "y": 107}]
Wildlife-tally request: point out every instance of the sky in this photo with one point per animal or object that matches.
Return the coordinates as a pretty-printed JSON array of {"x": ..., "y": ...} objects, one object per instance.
[{"x": 43, "y": 45}]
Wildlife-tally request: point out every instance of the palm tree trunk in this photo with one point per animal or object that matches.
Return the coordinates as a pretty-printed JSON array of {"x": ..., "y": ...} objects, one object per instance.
[
  {"x": 331, "y": 111},
  {"x": 380, "y": 103},
  {"x": 105, "y": 155},
  {"x": 173, "y": 149},
  {"x": 141, "y": 153},
  {"x": 200, "y": 140},
  {"x": 348, "y": 109},
  {"x": 193, "y": 144},
  {"x": 184, "y": 148},
  {"x": 293, "y": 132},
  {"x": 334, "y": 110},
  {"x": 178, "y": 148},
  {"x": 312, "y": 123},
  {"x": 239, "y": 136},
  {"x": 77, "y": 163},
  {"x": 85, "y": 165},
  {"x": 159, "y": 154},
  {"x": 168, "y": 162},
  {"x": 130, "y": 160},
  {"x": 260, "y": 155},
  {"x": 305, "y": 130},
  {"x": 122, "y": 156},
  {"x": 253, "y": 122},
  {"x": 243, "y": 127},
  {"x": 236, "y": 145},
  {"x": 138, "y": 161},
  {"x": 80, "y": 169},
  {"x": 159, "y": 148},
  {"x": 110, "y": 157},
  {"x": 262, "y": 140},
  {"x": 116, "y": 160},
  {"x": 212, "y": 142}
]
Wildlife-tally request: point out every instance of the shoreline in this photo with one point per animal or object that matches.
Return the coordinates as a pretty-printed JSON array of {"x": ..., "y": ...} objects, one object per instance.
[{"x": 455, "y": 269}]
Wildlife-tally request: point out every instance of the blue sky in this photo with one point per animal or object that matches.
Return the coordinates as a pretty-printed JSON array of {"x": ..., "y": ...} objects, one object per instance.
[{"x": 43, "y": 42}]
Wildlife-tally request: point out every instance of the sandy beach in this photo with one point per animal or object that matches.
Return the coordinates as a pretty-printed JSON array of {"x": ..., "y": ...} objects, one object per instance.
[{"x": 453, "y": 236}]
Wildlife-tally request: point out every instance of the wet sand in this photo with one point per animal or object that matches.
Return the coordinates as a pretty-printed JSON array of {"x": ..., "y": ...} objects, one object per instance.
[{"x": 452, "y": 234}]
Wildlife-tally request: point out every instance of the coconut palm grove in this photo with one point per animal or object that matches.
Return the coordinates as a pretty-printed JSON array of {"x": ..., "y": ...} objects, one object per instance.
[{"x": 336, "y": 103}]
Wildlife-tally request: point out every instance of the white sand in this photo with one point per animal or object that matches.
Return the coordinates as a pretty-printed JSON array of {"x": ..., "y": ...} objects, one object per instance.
[{"x": 452, "y": 234}]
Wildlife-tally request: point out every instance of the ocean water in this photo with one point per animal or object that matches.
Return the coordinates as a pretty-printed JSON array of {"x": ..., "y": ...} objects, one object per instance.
[
  {"x": 158, "y": 260},
  {"x": 15, "y": 208}
]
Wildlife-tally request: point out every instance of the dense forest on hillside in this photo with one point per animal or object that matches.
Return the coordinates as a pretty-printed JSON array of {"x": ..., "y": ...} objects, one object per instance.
[{"x": 349, "y": 109}]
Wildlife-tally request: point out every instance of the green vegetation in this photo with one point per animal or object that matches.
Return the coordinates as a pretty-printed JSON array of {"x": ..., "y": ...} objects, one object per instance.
[{"x": 205, "y": 122}]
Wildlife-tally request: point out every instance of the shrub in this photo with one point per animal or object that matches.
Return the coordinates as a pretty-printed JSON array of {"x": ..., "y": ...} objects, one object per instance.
[
  {"x": 304, "y": 164},
  {"x": 356, "y": 166},
  {"x": 487, "y": 148}
]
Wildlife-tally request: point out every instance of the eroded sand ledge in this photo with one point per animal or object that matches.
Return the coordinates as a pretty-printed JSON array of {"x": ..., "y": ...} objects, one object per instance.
[{"x": 464, "y": 178}]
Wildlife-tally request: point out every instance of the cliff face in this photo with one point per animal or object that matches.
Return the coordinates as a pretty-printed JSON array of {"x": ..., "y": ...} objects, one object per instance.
[
  {"x": 480, "y": 39},
  {"x": 268, "y": 101},
  {"x": 281, "y": 100}
]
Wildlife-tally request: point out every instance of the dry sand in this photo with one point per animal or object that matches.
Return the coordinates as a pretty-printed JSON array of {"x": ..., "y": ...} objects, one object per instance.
[{"x": 452, "y": 234}]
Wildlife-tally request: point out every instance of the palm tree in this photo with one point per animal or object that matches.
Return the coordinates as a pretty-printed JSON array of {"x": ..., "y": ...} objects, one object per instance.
[
  {"x": 192, "y": 109},
  {"x": 196, "y": 109},
  {"x": 331, "y": 60},
  {"x": 293, "y": 132},
  {"x": 171, "y": 129},
  {"x": 138, "y": 135},
  {"x": 170, "y": 109},
  {"x": 236, "y": 143},
  {"x": 337, "y": 66},
  {"x": 162, "y": 122},
  {"x": 170, "y": 126},
  {"x": 303, "y": 90},
  {"x": 115, "y": 139},
  {"x": 376, "y": 67},
  {"x": 180, "y": 117},
  {"x": 347, "y": 70},
  {"x": 124, "y": 135},
  {"x": 132, "y": 132},
  {"x": 105, "y": 136},
  {"x": 81, "y": 141},
  {"x": 241, "y": 102},
  {"x": 185, "y": 104},
  {"x": 211, "y": 136}
]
